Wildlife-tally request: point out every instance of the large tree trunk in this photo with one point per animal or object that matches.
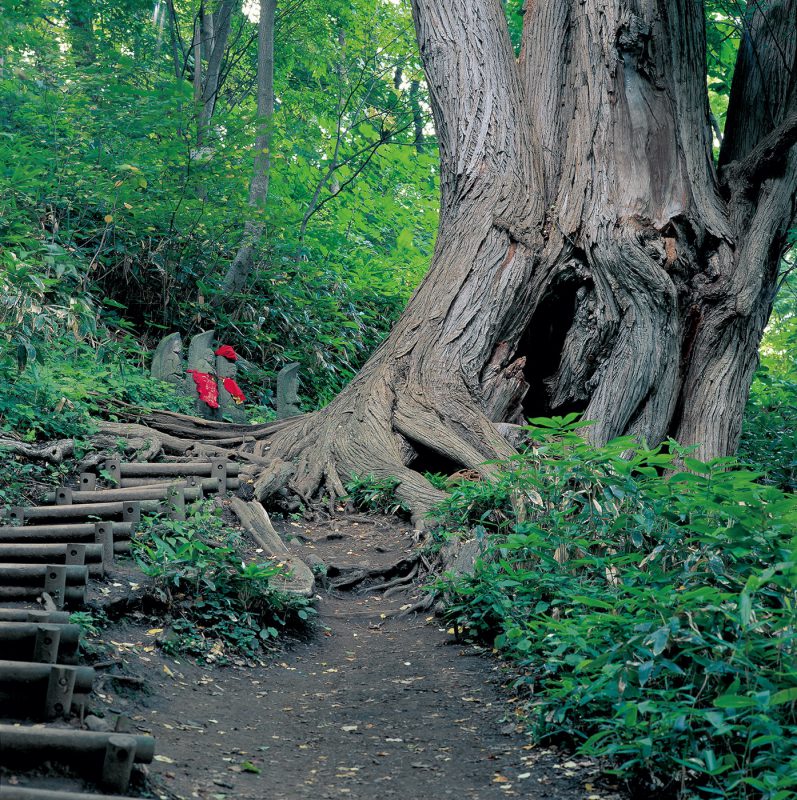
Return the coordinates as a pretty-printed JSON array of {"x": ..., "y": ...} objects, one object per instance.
[{"x": 589, "y": 257}]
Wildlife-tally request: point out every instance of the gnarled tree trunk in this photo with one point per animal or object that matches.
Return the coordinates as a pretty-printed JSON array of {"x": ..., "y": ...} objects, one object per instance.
[{"x": 590, "y": 256}]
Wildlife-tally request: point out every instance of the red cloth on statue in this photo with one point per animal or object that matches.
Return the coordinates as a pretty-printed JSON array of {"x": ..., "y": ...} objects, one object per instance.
[
  {"x": 234, "y": 389},
  {"x": 207, "y": 388},
  {"x": 227, "y": 351}
]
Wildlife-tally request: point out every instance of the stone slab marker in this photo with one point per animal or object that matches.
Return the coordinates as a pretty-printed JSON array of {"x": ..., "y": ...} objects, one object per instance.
[
  {"x": 288, "y": 391},
  {"x": 228, "y": 369},
  {"x": 202, "y": 359},
  {"x": 167, "y": 362}
]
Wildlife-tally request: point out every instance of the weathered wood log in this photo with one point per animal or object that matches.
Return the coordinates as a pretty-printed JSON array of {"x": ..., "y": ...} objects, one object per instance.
[
  {"x": 137, "y": 469},
  {"x": 207, "y": 484},
  {"x": 26, "y": 641},
  {"x": 33, "y": 615},
  {"x": 150, "y": 491},
  {"x": 78, "y": 510},
  {"x": 23, "y": 745},
  {"x": 18, "y": 677},
  {"x": 8, "y": 792},
  {"x": 24, "y": 574},
  {"x": 256, "y": 522},
  {"x": 72, "y": 595},
  {"x": 76, "y": 532},
  {"x": 53, "y": 553}
]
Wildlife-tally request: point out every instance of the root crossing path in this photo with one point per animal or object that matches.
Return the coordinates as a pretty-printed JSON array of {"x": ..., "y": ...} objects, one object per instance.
[{"x": 371, "y": 706}]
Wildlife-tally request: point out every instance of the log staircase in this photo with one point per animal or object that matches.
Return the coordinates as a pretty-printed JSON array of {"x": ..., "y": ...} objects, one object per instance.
[{"x": 49, "y": 555}]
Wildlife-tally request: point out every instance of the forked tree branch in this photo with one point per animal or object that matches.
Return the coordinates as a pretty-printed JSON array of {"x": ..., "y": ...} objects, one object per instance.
[{"x": 767, "y": 157}]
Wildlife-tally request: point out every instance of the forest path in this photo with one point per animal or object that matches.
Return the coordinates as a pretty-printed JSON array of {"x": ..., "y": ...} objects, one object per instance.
[{"x": 368, "y": 707}]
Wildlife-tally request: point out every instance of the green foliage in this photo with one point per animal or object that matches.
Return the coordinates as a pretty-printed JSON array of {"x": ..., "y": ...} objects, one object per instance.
[
  {"x": 70, "y": 384},
  {"x": 724, "y": 26},
  {"x": 652, "y": 619},
  {"x": 221, "y": 604},
  {"x": 24, "y": 481},
  {"x": 90, "y": 622},
  {"x": 769, "y": 438},
  {"x": 373, "y": 494}
]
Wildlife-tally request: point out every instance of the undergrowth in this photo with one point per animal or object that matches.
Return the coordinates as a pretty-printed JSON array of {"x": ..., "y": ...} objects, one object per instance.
[
  {"x": 649, "y": 611},
  {"x": 376, "y": 495},
  {"x": 221, "y": 606}
]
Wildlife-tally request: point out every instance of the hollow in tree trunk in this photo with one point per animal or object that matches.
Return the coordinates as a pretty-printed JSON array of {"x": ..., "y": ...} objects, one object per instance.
[{"x": 590, "y": 257}]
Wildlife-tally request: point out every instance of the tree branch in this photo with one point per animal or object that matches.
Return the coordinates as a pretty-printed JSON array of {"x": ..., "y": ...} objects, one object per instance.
[{"x": 766, "y": 158}]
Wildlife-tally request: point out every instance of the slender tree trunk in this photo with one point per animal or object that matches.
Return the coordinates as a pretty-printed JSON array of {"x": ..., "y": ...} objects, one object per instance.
[
  {"x": 214, "y": 33},
  {"x": 196, "y": 47},
  {"x": 241, "y": 265},
  {"x": 174, "y": 41},
  {"x": 417, "y": 115},
  {"x": 589, "y": 257},
  {"x": 81, "y": 31}
]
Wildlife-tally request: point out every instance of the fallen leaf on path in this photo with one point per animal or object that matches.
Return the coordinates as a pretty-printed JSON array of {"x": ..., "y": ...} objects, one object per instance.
[{"x": 164, "y": 759}]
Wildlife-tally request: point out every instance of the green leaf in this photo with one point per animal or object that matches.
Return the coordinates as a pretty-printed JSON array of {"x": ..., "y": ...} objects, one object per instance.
[
  {"x": 784, "y": 696},
  {"x": 734, "y": 701}
]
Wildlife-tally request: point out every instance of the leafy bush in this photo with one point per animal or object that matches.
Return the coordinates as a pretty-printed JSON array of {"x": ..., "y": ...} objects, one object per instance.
[
  {"x": 67, "y": 384},
  {"x": 769, "y": 437},
  {"x": 25, "y": 481},
  {"x": 373, "y": 494},
  {"x": 221, "y": 604},
  {"x": 652, "y": 619}
]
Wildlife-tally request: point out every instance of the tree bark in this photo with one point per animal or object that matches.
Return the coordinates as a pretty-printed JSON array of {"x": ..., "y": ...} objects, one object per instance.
[
  {"x": 80, "y": 18},
  {"x": 241, "y": 265},
  {"x": 589, "y": 257},
  {"x": 214, "y": 30}
]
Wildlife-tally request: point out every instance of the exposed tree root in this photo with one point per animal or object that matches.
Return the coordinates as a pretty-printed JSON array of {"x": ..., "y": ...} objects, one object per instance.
[
  {"x": 51, "y": 452},
  {"x": 421, "y": 606},
  {"x": 355, "y": 578},
  {"x": 399, "y": 583},
  {"x": 373, "y": 428}
]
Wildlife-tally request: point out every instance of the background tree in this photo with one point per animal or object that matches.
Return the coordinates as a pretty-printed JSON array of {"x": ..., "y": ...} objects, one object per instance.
[{"x": 239, "y": 268}]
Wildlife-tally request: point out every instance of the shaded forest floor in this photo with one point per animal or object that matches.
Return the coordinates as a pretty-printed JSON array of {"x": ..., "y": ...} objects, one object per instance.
[{"x": 367, "y": 706}]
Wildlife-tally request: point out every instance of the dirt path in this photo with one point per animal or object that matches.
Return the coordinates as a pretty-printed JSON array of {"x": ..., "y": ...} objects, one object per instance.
[{"x": 369, "y": 707}]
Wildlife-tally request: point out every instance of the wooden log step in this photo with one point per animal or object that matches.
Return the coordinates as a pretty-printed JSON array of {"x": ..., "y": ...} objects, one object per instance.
[
  {"x": 73, "y": 595},
  {"x": 36, "y": 574},
  {"x": 29, "y": 641},
  {"x": 138, "y": 469},
  {"x": 151, "y": 491},
  {"x": 207, "y": 484},
  {"x": 75, "y": 532},
  {"x": 79, "y": 510},
  {"x": 26, "y": 745},
  {"x": 33, "y": 615},
  {"x": 18, "y": 677},
  {"x": 28, "y": 793},
  {"x": 47, "y": 552}
]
